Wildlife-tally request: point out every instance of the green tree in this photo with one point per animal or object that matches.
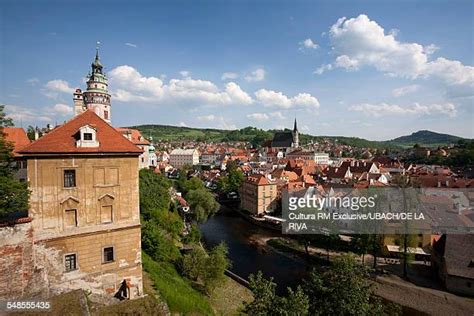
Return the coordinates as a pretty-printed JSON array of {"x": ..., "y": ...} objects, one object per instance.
[
  {"x": 194, "y": 263},
  {"x": 216, "y": 264},
  {"x": 266, "y": 302},
  {"x": 206, "y": 269},
  {"x": 232, "y": 181},
  {"x": 408, "y": 196},
  {"x": 161, "y": 227},
  {"x": 192, "y": 184},
  {"x": 202, "y": 203},
  {"x": 154, "y": 193},
  {"x": 30, "y": 132},
  {"x": 193, "y": 236},
  {"x": 342, "y": 290},
  {"x": 14, "y": 195},
  {"x": 158, "y": 243}
]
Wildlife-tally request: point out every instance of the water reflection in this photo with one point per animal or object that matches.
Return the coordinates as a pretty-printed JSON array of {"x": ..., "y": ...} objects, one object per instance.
[{"x": 247, "y": 251}]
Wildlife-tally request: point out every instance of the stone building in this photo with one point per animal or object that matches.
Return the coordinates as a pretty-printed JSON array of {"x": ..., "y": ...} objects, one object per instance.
[
  {"x": 96, "y": 97},
  {"x": 453, "y": 261},
  {"x": 286, "y": 141},
  {"x": 83, "y": 225},
  {"x": 17, "y": 137},
  {"x": 148, "y": 158},
  {"x": 259, "y": 194},
  {"x": 183, "y": 157}
]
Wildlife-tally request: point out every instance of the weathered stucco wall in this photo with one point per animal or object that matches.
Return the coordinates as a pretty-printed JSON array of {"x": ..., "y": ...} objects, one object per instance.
[
  {"x": 30, "y": 268},
  {"x": 106, "y": 204},
  {"x": 100, "y": 181}
]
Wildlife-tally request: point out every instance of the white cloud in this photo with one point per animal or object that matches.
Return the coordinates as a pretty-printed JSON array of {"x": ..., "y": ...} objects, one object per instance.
[
  {"x": 229, "y": 75},
  {"x": 185, "y": 73},
  {"x": 53, "y": 88},
  {"x": 219, "y": 121},
  {"x": 182, "y": 124},
  {"x": 62, "y": 109},
  {"x": 430, "y": 49},
  {"x": 385, "y": 109},
  {"x": 131, "y": 86},
  {"x": 307, "y": 44},
  {"x": 277, "y": 115},
  {"x": 22, "y": 114},
  {"x": 131, "y": 45},
  {"x": 235, "y": 93},
  {"x": 260, "y": 117},
  {"x": 322, "y": 69},
  {"x": 398, "y": 92},
  {"x": 207, "y": 118},
  {"x": 270, "y": 98},
  {"x": 346, "y": 62},
  {"x": 304, "y": 128},
  {"x": 256, "y": 75},
  {"x": 33, "y": 81},
  {"x": 361, "y": 42}
]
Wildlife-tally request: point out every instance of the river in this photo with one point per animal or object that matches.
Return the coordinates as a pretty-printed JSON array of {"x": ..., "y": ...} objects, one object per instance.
[{"x": 247, "y": 250}]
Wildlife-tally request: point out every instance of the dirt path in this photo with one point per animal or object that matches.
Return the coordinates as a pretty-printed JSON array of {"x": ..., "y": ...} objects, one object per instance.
[{"x": 430, "y": 301}]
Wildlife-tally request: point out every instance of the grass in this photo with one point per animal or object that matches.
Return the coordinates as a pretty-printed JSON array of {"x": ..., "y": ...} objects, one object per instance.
[
  {"x": 228, "y": 298},
  {"x": 151, "y": 304},
  {"x": 63, "y": 304},
  {"x": 178, "y": 292}
]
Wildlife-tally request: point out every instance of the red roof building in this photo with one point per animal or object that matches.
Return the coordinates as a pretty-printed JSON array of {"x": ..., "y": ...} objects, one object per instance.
[
  {"x": 17, "y": 137},
  {"x": 65, "y": 139}
]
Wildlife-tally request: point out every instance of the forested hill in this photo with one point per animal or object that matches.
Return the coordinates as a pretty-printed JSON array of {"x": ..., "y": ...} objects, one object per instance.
[
  {"x": 425, "y": 138},
  {"x": 257, "y": 136}
]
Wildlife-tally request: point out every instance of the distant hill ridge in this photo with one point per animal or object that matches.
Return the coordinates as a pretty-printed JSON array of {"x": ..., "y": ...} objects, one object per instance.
[
  {"x": 256, "y": 135},
  {"x": 425, "y": 137}
]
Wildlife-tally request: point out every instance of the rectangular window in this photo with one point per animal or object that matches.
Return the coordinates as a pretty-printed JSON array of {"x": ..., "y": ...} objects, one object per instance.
[
  {"x": 70, "y": 262},
  {"x": 70, "y": 178},
  {"x": 70, "y": 218},
  {"x": 108, "y": 254},
  {"x": 87, "y": 136},
  {"x": 106, "y": 115},
  {"x": 106, "y": 215}
]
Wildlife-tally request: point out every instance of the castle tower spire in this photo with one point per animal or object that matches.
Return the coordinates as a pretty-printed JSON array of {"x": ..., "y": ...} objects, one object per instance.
[{"x": 96, "y": 97}]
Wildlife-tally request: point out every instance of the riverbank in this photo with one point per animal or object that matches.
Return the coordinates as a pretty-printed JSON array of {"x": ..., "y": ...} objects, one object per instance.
[
  {"x": 414, "y": 299},
  {"x": 257, "y": 221},
  {"x": 248, "y": 251},
  {"x": 182, "y": 298}
]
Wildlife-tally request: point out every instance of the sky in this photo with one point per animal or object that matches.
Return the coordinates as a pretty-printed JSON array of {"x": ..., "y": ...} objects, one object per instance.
[{"x": 370, "y": 69}]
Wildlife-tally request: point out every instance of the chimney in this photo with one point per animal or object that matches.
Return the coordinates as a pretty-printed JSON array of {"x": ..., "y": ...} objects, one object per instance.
[
  {"x": 447, "y": 183},
  {"x": 36, "y": 133},
  {"x": 439, "y": 184}
]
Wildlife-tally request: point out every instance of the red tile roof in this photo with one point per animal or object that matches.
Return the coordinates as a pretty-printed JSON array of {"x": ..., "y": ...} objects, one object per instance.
[
  {"x": 16, "y": 136},
  {"x": 62, "y": 140},
  {"x": 136, "y": 136},
  {"x": 258, "y": 179}
]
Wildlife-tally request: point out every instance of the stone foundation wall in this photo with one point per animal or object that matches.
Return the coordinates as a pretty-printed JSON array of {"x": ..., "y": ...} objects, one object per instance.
[
  {"x": 16, "y": 260},
  {"x": 30, "y": 268}
]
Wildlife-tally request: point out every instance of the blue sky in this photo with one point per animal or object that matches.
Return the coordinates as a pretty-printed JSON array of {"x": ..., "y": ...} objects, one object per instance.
[{"x": 372, "y": 69}]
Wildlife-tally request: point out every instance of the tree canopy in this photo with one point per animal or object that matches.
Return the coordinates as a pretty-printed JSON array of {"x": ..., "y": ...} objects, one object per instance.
[{"x": 14, "y": 195}]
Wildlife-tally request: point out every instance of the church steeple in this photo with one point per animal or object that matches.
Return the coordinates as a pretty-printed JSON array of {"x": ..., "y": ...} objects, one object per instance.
[{"x": 296, "y": 136}]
